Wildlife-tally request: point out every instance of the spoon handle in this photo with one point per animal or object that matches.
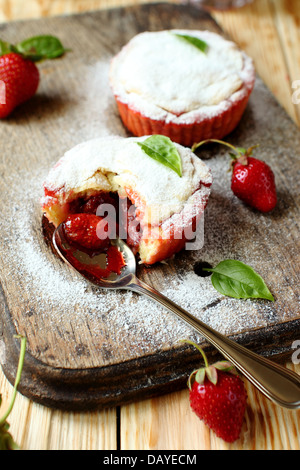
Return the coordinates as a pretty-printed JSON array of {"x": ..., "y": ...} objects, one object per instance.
[{"x": 278, "y": 383}]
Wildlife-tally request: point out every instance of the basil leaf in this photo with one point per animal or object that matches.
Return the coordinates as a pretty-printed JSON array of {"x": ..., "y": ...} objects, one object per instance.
[
  {"x": 202, "y": 45},
  {"x": 162, "y": 149},
  {"x": 41, "y": 47},
  {"x": 236, "y": 279}
]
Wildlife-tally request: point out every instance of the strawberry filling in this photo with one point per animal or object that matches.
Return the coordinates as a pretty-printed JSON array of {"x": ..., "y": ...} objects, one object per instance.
[
  {"x": 87, "y": 230},
  {"x": 122, "y": 217},
  {"x": 91, "y": 234},
  {"x": 118, "y": 215}
]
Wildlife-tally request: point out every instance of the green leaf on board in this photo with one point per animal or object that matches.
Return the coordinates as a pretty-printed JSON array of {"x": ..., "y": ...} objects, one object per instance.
[{"x": 236, "y": 279}]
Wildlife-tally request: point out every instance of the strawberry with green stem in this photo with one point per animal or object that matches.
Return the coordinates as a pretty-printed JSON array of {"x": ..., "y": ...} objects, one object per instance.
[
  {"x": 253, "y": 181},
  {"x": 218, "y": 397},
  {"x": 19, "y": 74}
]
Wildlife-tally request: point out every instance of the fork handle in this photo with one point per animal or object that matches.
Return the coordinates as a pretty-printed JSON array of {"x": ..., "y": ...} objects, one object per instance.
[{"x": 278, "y": 383}]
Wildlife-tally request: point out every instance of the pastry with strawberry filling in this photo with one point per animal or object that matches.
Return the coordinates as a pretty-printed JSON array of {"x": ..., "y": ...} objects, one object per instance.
[
  {"x": 188, "y": 85},
  {"x": 149, "y": 191}
]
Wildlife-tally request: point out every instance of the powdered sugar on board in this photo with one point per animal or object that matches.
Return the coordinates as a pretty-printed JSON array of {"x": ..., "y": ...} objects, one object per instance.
[
  {"x": 58, "y": 305},
  {"x": 60, "y": 295}
]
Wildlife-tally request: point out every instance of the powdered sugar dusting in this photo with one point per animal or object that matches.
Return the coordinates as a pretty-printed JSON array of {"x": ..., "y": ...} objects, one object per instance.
[
  {"x": 47, "y": 299},
  {"x": 165, "y": 78},
  {"x": 161, "y": 190},
  {"x": 61, "y": 297}
]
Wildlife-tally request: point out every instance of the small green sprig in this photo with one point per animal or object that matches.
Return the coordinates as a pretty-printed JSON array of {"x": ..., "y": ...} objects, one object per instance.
[
  {"x": 209, "y": 371},
  {"x": 6, "y": 440}
]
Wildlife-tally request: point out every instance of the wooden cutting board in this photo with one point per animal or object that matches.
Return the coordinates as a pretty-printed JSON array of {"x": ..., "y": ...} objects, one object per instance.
[{"x": 88, "y": 348}]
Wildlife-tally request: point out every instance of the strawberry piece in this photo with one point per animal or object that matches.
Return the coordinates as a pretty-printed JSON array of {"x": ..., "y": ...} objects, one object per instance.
[
  {"x": 88, "y": 231},
  {"x": 253, "y": 182},
  {"x": 21, "y": 79},
  {"x": 219, "y": 398}
]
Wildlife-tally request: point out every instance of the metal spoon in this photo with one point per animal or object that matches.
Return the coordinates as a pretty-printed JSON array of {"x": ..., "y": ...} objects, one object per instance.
[{"x": 276, "y": 382}]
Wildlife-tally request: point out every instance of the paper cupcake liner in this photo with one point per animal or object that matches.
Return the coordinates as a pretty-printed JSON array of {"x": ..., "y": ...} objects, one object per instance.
[{"x": 215, "y": 127}]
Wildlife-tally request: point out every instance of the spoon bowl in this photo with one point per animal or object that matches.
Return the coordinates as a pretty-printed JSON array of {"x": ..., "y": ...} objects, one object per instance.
[
  {"x": 80, "y": 260},
  {"x": 276, "y": 382}
]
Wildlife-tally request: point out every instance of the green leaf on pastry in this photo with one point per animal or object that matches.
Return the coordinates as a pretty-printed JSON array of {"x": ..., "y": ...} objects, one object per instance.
[{"x": 163, "y": 150}]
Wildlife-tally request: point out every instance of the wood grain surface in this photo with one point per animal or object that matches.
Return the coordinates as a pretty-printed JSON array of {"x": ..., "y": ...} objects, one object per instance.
[
  {"x": 284, "y": 424},
  {"x": 270, "y": 35},
  {"x": 88, "y": 348}
]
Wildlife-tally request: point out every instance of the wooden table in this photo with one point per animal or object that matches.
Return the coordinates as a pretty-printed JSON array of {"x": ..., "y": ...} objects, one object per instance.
[{"x": 269, "y": 31}]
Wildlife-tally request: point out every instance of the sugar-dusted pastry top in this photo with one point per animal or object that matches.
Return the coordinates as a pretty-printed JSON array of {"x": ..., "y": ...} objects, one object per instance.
[
  {"x": 120, "y": 164},
  {"x": 166, "y": 77}
]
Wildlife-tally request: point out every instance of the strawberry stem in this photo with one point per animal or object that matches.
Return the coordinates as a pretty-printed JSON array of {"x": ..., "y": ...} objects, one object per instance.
[
  {"x": 240, "y": 154},
  {"x": 195, "y": 146},
  {"x": 17, "y": 379},
  {"x": 199, "y": 349}
]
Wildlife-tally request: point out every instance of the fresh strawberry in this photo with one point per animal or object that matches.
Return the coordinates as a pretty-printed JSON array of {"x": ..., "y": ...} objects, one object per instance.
[
  {"x": 253, "y": 181},
  {"x": 88, "y": 231},
  {"x": 21, "y": 79},
  {"x": 19, "y": 75},
  {"x": 218, "y": 397}
]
